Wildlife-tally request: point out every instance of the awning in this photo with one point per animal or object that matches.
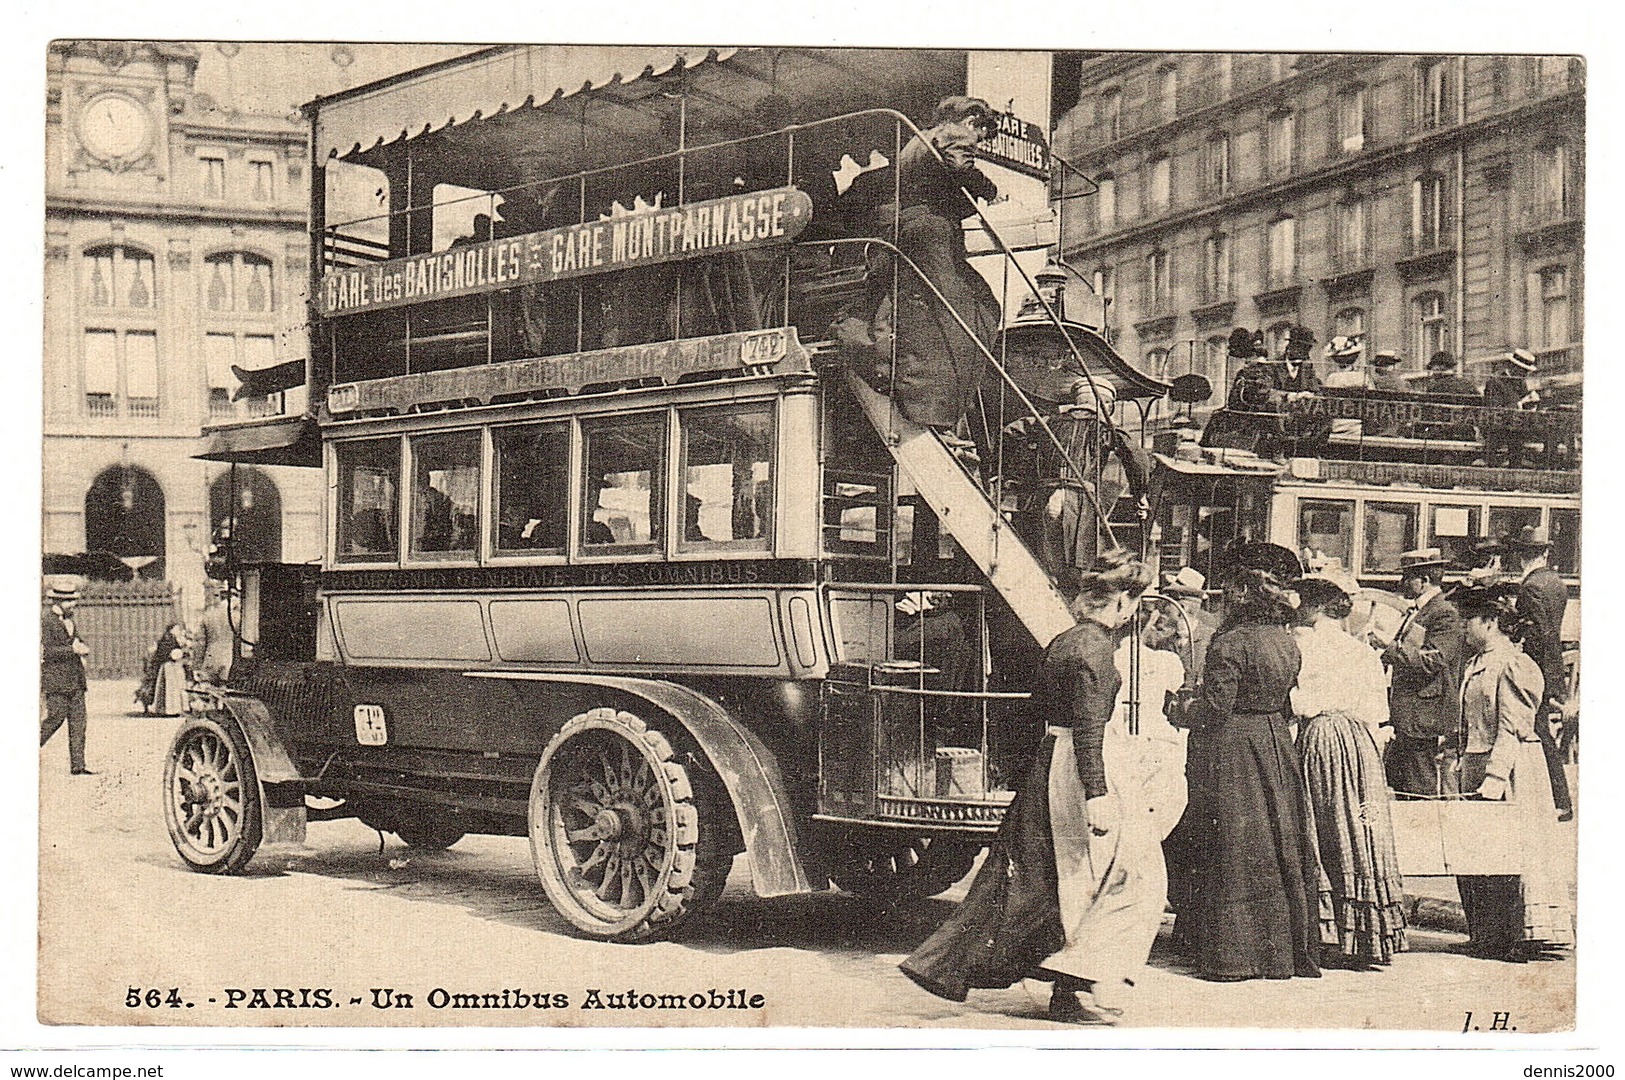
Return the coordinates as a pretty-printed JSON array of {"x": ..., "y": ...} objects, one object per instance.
[
  {"x": 275, "y": 440},
  {"x": 482, "y": 85},
  {"x": 580, "y": 107}
]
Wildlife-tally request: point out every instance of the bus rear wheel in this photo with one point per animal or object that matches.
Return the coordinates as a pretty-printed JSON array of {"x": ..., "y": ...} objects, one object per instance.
[
  {"x": 626, "y": 846},
  {"x": 889, "y": 867},
  {"x": 212, "y": 796}
]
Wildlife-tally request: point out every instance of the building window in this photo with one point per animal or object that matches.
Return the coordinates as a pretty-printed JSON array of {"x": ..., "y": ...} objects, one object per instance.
[
  {"x": 1168, "y": 92},
  {"x": 1156, "y": 362},
  {"x": 1106, "y": 203},
  {"x": 1552, "y": 181},
  {"x": 120, "y": 277},
  {"x": 1111, "y": 115},
  {"x": 1281, "y": 132},
  {"x": 1216, "y": 267},
  {"x": 121, "y": 373},
  {"x": 1351, "y": 120},
  {"x": 1283, "y": 250},
  {"x": 1215, "y": 354},
  {"x": 264, "y": 184},
  {"x": 1350, "y": 322},
  {"x": 1554, "y": 307},
  {"x": 1432, "y": 325},
  {"x": 238, "y": 281},
  {"x": 248, "y": 352},
  {"x": 1105, "y": 286},
  {"x": 1216, "y": 165},
  {"x": 1157, "y": 270},
  {"x": 1224, "y": 68},
  {"x": 212, "y": 172},
  {"x": 1428, "y": 224},
  {"x": 1275, "y": 338},
  {"x": 1158, "y": 182},
  {"x": 1433, "y": 83},
  {"x": 1351, "y": 234}
]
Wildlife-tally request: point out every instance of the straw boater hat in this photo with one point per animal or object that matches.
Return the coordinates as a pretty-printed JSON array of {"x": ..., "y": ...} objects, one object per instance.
[
  {"x": 1420, "y": 559},
  {"x": 1188, "y": 582},
  {"x": 1386, "y": 358},
  {"x": 1330, "y": 570},
  {"x": 62, "y": 587},
  {"x": 1521, "y": 358}
]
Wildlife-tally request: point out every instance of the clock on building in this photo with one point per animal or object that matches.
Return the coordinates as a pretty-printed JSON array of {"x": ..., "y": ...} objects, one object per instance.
[{"x": 114, "y": 127}]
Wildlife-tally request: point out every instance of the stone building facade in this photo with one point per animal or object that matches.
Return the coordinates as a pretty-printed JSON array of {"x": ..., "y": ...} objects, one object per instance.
[
  {"x": 177, "y": 195},
  {"x": 1430, "y": 203}
]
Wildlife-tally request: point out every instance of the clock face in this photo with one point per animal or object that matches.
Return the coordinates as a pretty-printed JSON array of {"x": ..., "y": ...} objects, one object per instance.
[{"x": 113, "y": 126}]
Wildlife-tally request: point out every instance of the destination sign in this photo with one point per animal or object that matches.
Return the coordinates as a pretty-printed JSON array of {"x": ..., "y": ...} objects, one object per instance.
[
  {"x": 641, "y": 238},
  {"x": 1389, "y": 412},
  {"x": 1017, "y": 145},
  {"x": 777, "y": 349}
]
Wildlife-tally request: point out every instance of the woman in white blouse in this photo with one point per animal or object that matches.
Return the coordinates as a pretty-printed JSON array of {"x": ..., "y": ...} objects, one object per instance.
[{"x": 1341, "y": 700}]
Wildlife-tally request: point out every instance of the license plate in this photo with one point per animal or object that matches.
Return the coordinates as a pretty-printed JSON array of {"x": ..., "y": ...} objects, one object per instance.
[{"x": 369, "y": 725}]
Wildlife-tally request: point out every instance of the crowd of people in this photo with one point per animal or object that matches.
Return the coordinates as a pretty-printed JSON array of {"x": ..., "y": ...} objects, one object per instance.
[{"x": 1295, "y": 733}]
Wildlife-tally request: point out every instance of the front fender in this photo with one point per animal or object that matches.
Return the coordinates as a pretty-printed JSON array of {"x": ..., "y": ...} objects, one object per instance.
[
  {"x": 746, "y": 767},
  {"x": 282, "y": 794}
]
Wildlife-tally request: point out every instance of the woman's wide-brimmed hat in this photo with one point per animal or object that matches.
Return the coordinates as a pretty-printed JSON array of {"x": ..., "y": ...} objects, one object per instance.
[{"x": 1272, "y": 559}]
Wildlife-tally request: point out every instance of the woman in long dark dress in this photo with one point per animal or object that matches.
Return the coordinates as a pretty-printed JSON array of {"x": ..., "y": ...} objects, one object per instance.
[
  {"x": 1253, "y": 902},
  {"x": 1032, "y": 910}
]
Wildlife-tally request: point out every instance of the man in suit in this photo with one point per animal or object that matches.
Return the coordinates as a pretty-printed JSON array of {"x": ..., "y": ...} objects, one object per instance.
[
  {"x": 1424, "y": 702},
  {"x": 1542, "y": 596},
  {"x": 62, "y": 671}
]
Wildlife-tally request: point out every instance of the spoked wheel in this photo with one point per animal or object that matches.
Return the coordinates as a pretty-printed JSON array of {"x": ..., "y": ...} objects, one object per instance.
[
  {"x": 892, "y": 867},
  {"x": 211, "y": 796},
  {"x": 625, "y": 848}
]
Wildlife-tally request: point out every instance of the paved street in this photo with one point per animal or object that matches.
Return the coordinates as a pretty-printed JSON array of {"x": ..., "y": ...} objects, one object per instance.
[{"x": 119, "y": 911}]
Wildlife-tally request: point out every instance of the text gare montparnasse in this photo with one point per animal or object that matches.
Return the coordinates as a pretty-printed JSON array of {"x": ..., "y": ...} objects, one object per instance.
[{"x": 642, "y": 238}]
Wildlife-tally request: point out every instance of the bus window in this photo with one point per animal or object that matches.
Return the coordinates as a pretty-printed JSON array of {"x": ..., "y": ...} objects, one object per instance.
[
  {"x": 727, "y": 477},
  {"x": 533, "y": 485},
  {"x": 1565, "y": 528},
  {"x": 1453, "y": 530},
  {"x": 369, "y": 472},
  {"x": 1390, "y": 529},
  {"x": 622, "y": 482},
  {"x": 446, "y": 493},
  {"x": 1509, "y": 519},
  {"x": 1326, "y": 530}
]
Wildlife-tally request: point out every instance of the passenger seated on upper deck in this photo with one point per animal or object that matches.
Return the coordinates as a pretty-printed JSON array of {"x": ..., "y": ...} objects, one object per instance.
[
  {"x": 1342, "y": 353},
  {"x": 1508, "y": 389},
  {"x": 1263, "y": 391},
  {"x": 1443, "y": 381},
  {"x": 938, "y": 366}
]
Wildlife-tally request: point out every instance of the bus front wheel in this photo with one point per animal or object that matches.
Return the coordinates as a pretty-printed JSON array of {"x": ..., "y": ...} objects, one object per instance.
[
  {"x": 626, "y": 845},
  {"x": 212, "y": 796}
]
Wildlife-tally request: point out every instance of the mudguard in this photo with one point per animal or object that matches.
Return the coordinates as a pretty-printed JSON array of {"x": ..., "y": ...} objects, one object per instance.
[
  {"x": 281, "y": 798},
  {"x": 746, "y": 767}
]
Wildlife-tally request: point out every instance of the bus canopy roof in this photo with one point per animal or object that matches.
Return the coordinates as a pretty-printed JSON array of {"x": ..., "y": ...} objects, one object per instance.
[{"x": 548, "y": 110}]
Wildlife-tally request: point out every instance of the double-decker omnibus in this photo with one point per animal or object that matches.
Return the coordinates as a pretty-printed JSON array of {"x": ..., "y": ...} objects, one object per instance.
[{"x": 622, "y": 555}]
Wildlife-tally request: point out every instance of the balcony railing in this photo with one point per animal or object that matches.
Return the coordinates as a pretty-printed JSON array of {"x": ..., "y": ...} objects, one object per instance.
[
  {"x": 108, "y": 407},
  {"x": 1547, "y": 212}
]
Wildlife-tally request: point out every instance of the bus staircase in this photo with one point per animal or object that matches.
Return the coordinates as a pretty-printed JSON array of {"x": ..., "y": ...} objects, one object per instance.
[{"x": 965, "y": 509}]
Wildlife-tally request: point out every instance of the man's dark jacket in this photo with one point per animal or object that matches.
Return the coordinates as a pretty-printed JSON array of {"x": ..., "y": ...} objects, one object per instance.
[
  {"x": 61, "y": 669},
  {"x": 1426, "y": 658}
]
